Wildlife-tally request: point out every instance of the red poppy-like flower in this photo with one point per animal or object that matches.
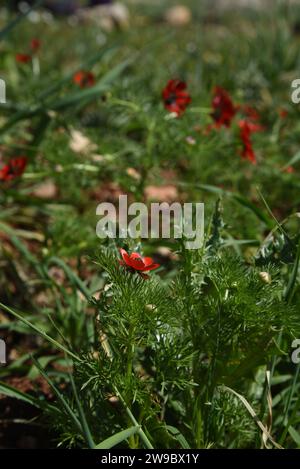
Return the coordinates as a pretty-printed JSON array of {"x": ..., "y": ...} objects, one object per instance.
[
  {"x": 250, "y": 113},
  {"x": 223, "y": 108},
  {"x": 136, "y": 263},
  {"x": 289, "y": 170},
  {"x": 246, "y": 129},
  {"x": 23, "y": 58},
  {"x": 283, "y": 113},
  {"x": 35, "y": 44},
  {"x": 14, "y": 168},
  {"x": 84, "y": 79},
  {"x": 175, "y": 97}
]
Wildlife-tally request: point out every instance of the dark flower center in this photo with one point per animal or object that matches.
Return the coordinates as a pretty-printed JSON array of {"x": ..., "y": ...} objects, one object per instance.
[{"x": 171, "y": 98}]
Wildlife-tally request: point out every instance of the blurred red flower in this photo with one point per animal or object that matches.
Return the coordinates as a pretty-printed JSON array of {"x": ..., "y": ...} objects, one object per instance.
[
  {"x": 250, "y": 113},
  {"x": 175, "y": 97},
  {"x": 35, "y": 44},
  {"x": 246, "y": 129},
  {"x": 14, "y": 168},
  {"x": 223, "y": 108},
  {"x": 289, "y": 170},
  {"x": 136, "y": 263},
  {"x": 23, "y": 58},
  {"x": 283, "y": 113},
  {"x": 84, "y": 79}
]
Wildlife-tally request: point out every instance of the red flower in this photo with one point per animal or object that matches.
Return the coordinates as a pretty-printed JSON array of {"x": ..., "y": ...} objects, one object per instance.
[
  {"x": 13, "y": 169},
  {"x": 250, "y": 113},
  {"x": 246, "y": 129},
  {"x": 223, "y": 108},
  {"x": 35, "y": 45},
  {"x": 84, "y": 79},
  {"x": 283, "y": 113},
  {"x": 136, "y": 263},
  {"x": 175, "y": 97},
  {"x": 289, "y": 170},
  {"x": 23, "y": 58}
]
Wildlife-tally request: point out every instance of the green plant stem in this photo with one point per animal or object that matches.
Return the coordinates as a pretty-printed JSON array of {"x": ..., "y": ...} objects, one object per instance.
[
  {"x": 288, "y": 295},
  {"x": 129, "y": 368},
  {"x": 142, "y": 434},
  {"x": 106, "y": 348}
]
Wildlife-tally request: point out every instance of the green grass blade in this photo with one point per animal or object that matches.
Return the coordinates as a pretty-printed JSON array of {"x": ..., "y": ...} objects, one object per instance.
[
  {"x": 118, "y": 438},
  {"x": 288, "y": 294},
  {"x": 178, "y": 436},
  {"x": 72, "y": 99},
  {"x": 85, "y": 427},
  {"x": 295, "y": 435},
  {"x": 71, "y": 275},
  {"x": 272, "y": 215},
  {"x": 91, "y": 93},
  {"x": 291, "y": 420},
  {"x": 5, "y": 31},
  {"x": 260, "y": 214},
  {"x": 40, "y": 332},
  {"x": 59, "y": 395},
  {"x": 30, "y": 258},
  {"x": 9, "y": 391},
  {"x": 292, "y": 161},
  {"x": 67, "y": 78}
]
